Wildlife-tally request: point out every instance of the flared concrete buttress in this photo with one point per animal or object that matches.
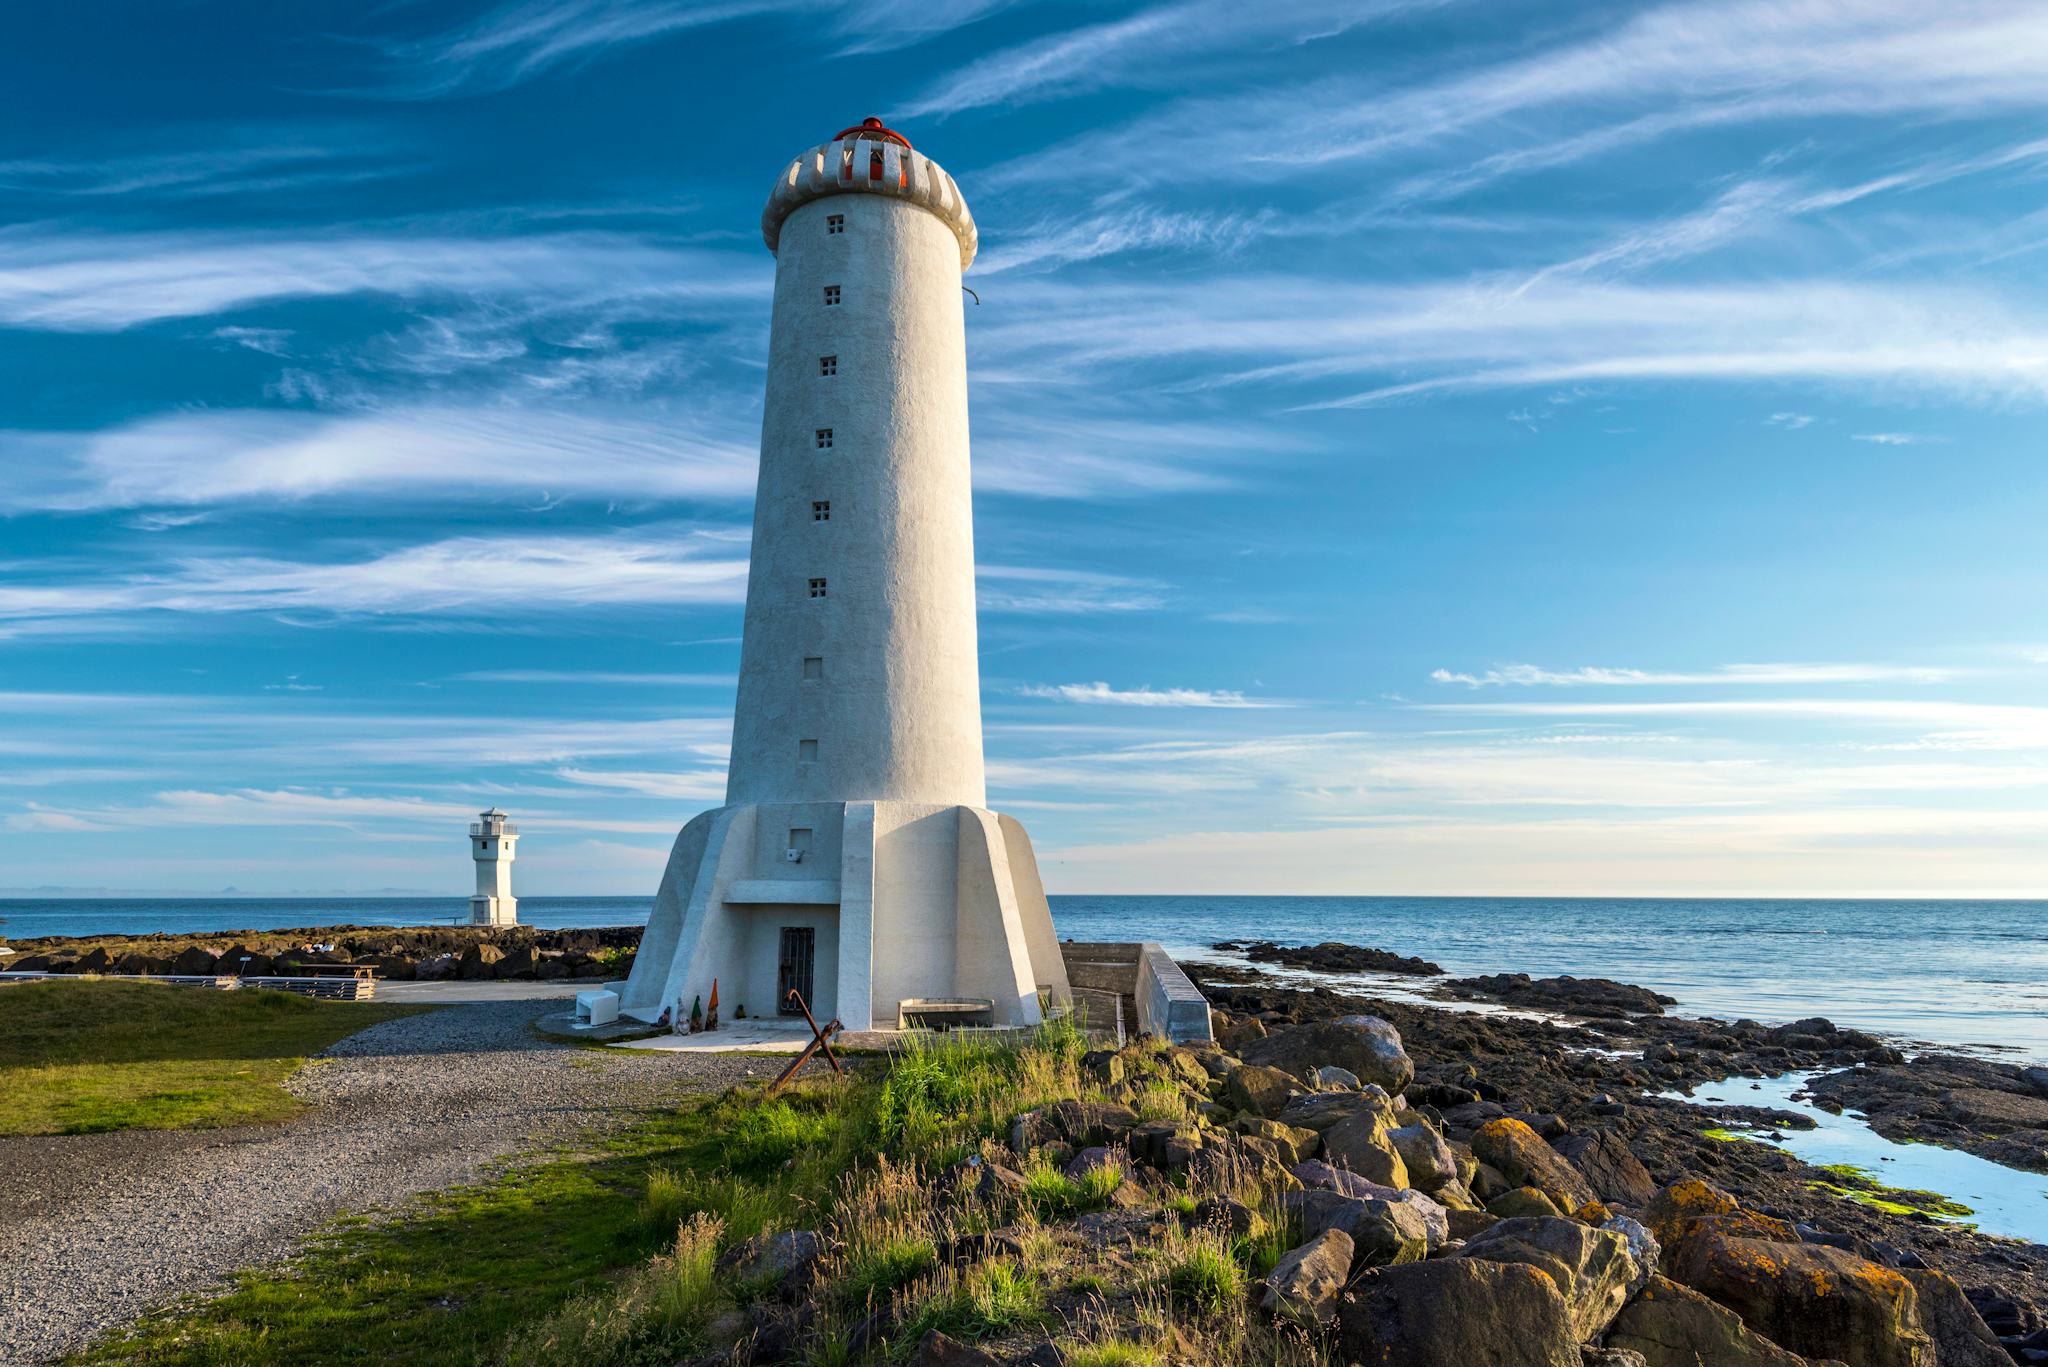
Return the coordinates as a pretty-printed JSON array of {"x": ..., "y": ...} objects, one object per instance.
[{"x": 916, "y": 902}]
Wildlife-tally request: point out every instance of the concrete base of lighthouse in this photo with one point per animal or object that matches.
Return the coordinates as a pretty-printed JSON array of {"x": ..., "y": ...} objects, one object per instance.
[{"x": 760, "y": 897}]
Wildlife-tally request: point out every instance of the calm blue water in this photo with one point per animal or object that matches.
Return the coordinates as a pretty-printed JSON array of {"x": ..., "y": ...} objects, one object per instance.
[{"x": 1949, "y": 972}]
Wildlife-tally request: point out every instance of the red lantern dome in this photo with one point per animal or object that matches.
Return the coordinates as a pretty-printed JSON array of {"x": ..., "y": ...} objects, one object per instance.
[{"x": 870, "y": 129}]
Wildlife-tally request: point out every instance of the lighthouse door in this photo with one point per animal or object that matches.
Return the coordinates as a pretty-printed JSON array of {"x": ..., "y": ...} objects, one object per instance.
[{"x": 796, "y": 967}]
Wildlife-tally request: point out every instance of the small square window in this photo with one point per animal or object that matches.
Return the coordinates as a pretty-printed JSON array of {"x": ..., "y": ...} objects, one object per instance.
[
  {"x": 831, "y": 294},
  {"x": 821, "y": 511},
  {"x": 828, "y": 365},
  {"x": 800, "y": 838},
  {"x": 824, "y": 439},
  {"x": 817, "y": 588},
  {"x": 807, "y": 752},
  {"x": 835, "y": 223},
  {"x": 814, "y": 666}
]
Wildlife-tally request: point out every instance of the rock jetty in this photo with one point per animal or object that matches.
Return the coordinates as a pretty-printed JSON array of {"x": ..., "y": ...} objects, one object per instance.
[{"x": 405, "y": 952}]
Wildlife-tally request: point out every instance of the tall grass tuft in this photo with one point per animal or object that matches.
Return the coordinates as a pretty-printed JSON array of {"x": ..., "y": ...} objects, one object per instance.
[
  {"x": 1201, "y": 1273},
  {"x": 986, "y": 1300},
  {"x": 658, "y": 1313}
]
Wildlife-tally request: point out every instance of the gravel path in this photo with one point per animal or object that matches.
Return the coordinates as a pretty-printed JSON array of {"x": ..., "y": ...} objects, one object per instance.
[{"x": 96, "y": 1229}]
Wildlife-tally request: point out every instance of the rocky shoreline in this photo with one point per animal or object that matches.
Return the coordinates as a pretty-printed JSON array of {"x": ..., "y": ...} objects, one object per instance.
[
  {"x": 1585, "y": 1089},
  {"x": 399, "y": 952}
]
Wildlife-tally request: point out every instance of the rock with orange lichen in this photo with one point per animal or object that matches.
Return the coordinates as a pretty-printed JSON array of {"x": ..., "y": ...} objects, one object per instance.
[
  {"x": 1674, "y": 1326},
  {"x": 1526, "y": 1160},
  {"x": 1809, "y": 1298},
  {"x": 1682, "y": 1202}
]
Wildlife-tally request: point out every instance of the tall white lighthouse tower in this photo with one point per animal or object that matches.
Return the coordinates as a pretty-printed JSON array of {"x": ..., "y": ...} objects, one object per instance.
[
  {"x": 855, "y": 860},
  {"x": 491, "y": 842}
]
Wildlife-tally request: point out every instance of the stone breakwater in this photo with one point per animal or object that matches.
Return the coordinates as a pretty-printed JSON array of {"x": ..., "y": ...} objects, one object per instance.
[{"x": 406, "y": 952}]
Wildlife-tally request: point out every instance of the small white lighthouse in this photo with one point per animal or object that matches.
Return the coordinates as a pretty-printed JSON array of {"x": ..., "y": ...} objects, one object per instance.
[
  {"x": 855, "y": 860},
  {"x": 491, "y": 841}
]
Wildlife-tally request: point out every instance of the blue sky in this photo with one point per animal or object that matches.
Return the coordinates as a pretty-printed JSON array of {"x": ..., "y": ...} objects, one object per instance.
[{"x": 1420, "y": 447}]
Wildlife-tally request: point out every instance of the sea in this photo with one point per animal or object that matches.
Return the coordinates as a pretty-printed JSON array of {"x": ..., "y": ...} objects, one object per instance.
[{"x": 1956, "y": 974}]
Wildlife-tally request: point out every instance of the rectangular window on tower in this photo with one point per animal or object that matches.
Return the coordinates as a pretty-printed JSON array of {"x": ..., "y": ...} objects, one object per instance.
[
  {"x": 831, "y": 295},
  {"x": 814, "y": 666},
  {"x": 824, "y": 439},
  {"x": 828, "y": 365},
  {"x": 817, "y": 588},
  {"x": 807, "y": 752},
  {"x": 835, "y": 224},
  {"x": 821, "y": 511}
]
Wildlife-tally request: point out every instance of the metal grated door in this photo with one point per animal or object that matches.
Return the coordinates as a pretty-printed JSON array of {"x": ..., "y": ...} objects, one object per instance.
[{"x": 795, "y": 967}]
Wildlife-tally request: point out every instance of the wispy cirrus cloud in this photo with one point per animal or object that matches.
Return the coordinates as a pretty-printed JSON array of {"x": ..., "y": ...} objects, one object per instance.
[
  {"x": 1176, "y": 37},
  {"x": 1146, "y": 696},
  {"x": 206, "y": 457},
  {"x": 1026, "y": 589},
  {"x": 104, "y": 282},
  {"x": 1729, "y": 61},
  {"x": 500, "y": 574},
  {"x": 514, "y": 43},
  {"x": 214, "y": 162},
  {"x": 1743, "y": 674},
  {"x": 1483, "y": 334}
]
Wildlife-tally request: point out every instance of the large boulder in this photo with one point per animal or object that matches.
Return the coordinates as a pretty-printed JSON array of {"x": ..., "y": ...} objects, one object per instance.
[
  {"x": 1365, "y": 1045},
  {"x": 785, "y": 1263},
  {"x": 1961, "y": 1337},
  {"x": 478, "y": 961},
  {"x": 195, "y": 961},
  {"x": 1303, "y": 1285},
  {"x": 1519, "y": 1154},
  {"x": 1642, "y": 1246},
  {"x": 1591, "y": 1267},
  {"x": 520, "y": 961},
  {"x": 1318, "y": 1111},
  {"x": 1673, "y": 1326},
  {"x": 1363, "y": 1144},
  {"x": 1616, "y": 1175},
  {"x": 1809, "y": 1298},
  {"x": 1315, "y": 1176},
  {"x": 1679, "y": 1204},
  {"x": 1294, "y": 1145},
  {"x": 1457, "y": 1312},
  {"x": 1382, "y": 1232},
  {"x": 1087, "y": 1123},
  {"x": 1259, "y": 1090},
  {"x": 1431, "y": 1164}
]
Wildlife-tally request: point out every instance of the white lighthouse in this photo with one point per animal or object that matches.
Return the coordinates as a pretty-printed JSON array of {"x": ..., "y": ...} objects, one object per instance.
[
  {"x": 491, "y": 841},
  {"x": 855, "y": 860}
]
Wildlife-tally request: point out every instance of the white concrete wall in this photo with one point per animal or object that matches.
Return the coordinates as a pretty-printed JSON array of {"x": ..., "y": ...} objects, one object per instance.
[{"x": 897, "y": 712}]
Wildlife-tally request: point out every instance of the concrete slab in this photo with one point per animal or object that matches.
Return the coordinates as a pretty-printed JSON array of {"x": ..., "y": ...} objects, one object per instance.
[
  {"x": 732, "y": 1037},
  {"x": 509, "y": 990}
]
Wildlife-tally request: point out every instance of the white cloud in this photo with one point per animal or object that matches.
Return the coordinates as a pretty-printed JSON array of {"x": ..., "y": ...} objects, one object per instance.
[
  {"x": 596, "y": 677},
  {"x": 501, "y": 575},
  {"x": 1524, "y": 674},
  {"x": 1027, "y": 589},
  {"x": 1947, "y": 724},
  {"x": 87, "y": 282},
  {"x": 1891, "y": 438},
  {"x": 1144, "y": 697},
  {"x": 1790, "y": 421},
  {"x": 1466, "y": 336},
  {"x": 210, "y": 456},
  {"x": 1171, "y": 37},
  {"x": 703, "y": 785}
]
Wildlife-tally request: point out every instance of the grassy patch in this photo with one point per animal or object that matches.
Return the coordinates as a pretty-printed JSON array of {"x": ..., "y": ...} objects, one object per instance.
[
  {"x": 89, "y": 1056},
  {"x": 521, "y": 1262},
  {"x": 1202, "y": 1274},
  {"x": 987, "y": 1299},
  {"x": 1721, "y": 1136}
]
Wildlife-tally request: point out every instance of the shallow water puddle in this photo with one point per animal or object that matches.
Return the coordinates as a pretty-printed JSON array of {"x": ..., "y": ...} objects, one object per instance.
[{"x": 2002, "y": 1200}]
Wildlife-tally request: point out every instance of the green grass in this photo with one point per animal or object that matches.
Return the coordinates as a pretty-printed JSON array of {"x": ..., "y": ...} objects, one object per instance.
[
  {"x": 1114, "y": 1353},
  {"x": 1201, "y": 1273},
  {"x": 988, "y": 1299},
  {"x": 567, "y": 1249},
  {"x": 88, "y": 1056}
]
